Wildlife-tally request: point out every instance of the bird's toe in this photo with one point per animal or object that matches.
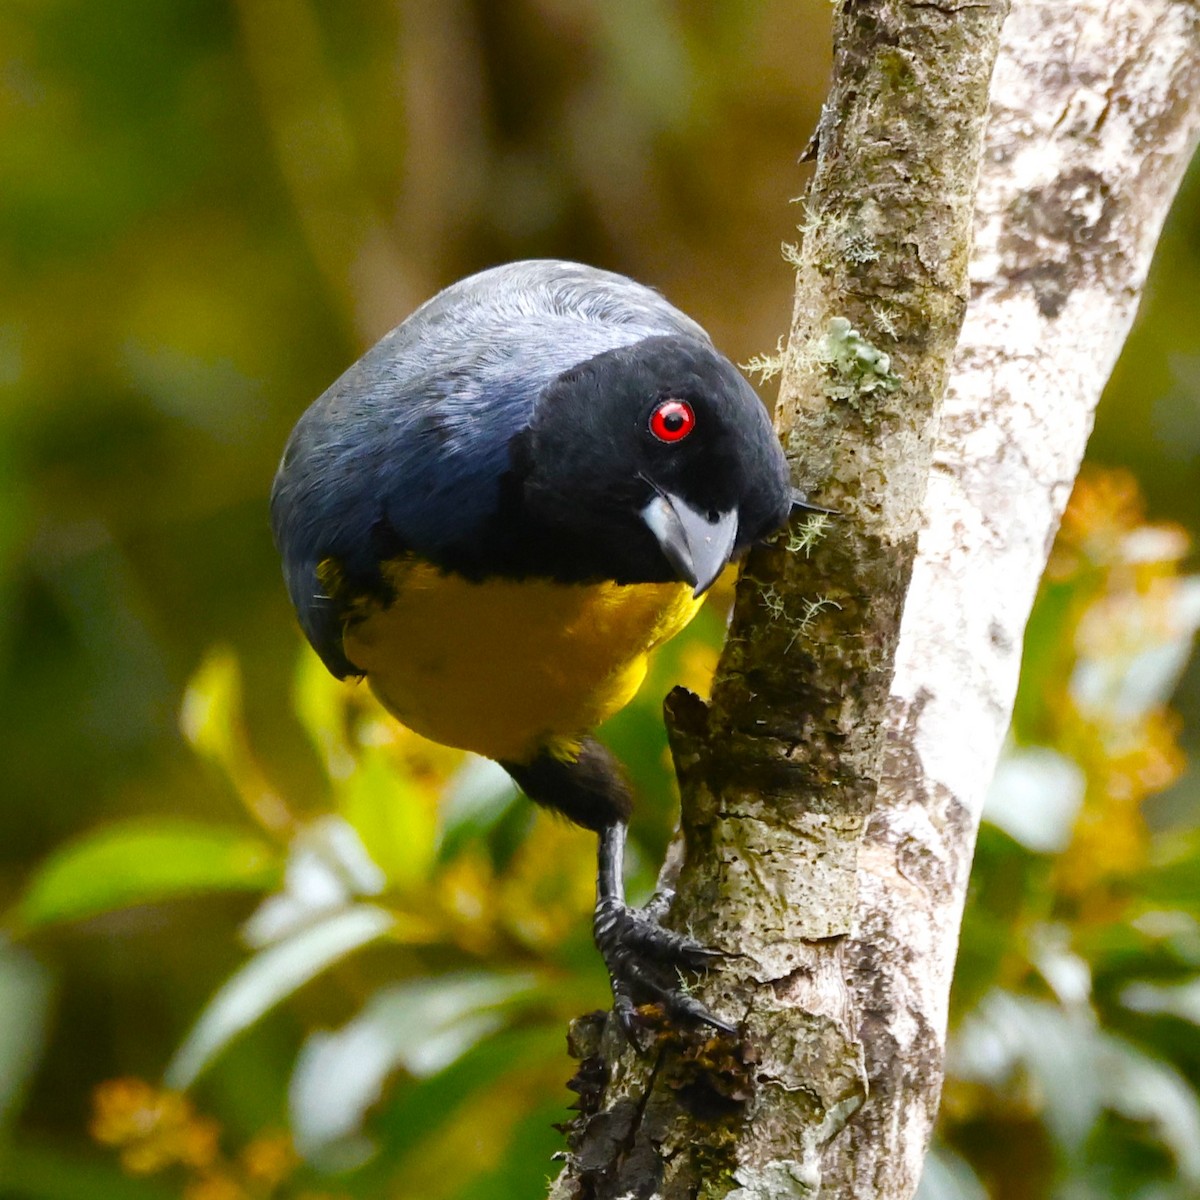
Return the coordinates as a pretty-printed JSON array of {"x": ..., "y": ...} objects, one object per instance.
[{"x": 645, "y": 960}]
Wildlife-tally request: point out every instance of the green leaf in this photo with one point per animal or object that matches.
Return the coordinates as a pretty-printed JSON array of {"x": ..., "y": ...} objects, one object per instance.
[
  {"x": 319, "y": 703},
  {"x": 422, "y": 1026},
  {"x": 397, "y": 824},
  {"x": 948, "y": 1177},
  {"x": 1175, "y": 1000},
  {"x": 1152, "y": 1092},
  {"x": 477, "y": 798},
  {"x": 211, "y": 713},
  {"x": 1172, "y": 879},
  {"x": 141, "y": 862},
  {"x": 1050, "y": 1056},
  {"x": 269, "y": 977},
  {"x": 523, "y": 1163},
  {"x": 24, "y": 998},
  {"x": 1046, "y": 661},
  {"x": 417, "y": 1112},
  {"x": 1035, "y": 797},
  {"x": 328, "y": 869},
  {"x": 34, "y": 1168}
]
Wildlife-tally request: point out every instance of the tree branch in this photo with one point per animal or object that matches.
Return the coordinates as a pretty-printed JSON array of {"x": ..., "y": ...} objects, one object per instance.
[
  {"x": 1095, "y": 116},
  {"x": 840, "y": 897}
]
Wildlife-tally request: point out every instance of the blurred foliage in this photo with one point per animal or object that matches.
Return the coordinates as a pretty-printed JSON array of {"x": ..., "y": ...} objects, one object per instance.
[{"x": 208, "y": 210}]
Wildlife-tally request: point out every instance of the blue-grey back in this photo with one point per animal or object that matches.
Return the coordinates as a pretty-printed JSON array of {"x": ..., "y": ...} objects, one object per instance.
[{"x": 410, "y": 444}]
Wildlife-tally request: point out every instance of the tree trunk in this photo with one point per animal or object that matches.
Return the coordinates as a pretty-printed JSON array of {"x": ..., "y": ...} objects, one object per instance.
[{"x": 832, "y": 869}]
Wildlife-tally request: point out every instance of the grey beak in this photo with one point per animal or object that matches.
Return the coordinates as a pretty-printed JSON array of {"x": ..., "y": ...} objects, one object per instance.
[
  {"x": 695, "y": 546},
  {"x": 801, "y": 504}
]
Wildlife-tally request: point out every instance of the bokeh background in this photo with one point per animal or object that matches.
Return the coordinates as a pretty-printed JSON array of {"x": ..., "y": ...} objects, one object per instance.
[{"x": 220, "y": 870}]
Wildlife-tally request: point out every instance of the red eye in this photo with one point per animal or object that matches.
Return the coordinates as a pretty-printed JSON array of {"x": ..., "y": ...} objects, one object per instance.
[{"x": 672, "y": 421}]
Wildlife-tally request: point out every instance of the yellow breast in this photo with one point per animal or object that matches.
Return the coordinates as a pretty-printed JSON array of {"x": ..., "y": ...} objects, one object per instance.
[{"x": 509, "y": 669}]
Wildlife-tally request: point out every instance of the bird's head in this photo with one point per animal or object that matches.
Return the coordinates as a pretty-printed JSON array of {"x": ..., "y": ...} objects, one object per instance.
[{"x": 659, "y": 461}]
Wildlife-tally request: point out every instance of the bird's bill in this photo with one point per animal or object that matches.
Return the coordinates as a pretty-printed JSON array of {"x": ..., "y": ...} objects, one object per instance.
[
  {"x": 698, "y": 548},
  {"x": 801, "y": 504}
]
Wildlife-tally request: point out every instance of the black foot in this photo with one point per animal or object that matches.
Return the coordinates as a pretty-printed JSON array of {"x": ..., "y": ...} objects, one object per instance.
[{"x": 645, "y": 962}]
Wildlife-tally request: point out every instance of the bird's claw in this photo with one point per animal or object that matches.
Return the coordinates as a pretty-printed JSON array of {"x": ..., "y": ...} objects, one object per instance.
[
  {"x": 626, "y": 935},
  {"x": 641, "y": 955}
]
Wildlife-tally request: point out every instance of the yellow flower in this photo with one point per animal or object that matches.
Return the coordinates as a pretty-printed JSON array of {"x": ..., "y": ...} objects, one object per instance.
[
  {"x": 215, "y": 1186},
  {"x": 269, "y": 1159},
  {"x": 153, "y": 1128}
]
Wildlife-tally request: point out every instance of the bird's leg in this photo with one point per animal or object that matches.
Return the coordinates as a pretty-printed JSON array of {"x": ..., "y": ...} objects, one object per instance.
[
  {"x": 637, "y": 950},
  {"x": 643, "y": 958}
]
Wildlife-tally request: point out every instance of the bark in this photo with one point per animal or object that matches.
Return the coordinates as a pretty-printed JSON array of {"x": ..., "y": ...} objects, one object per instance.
[{"x": 833, "y": 871}]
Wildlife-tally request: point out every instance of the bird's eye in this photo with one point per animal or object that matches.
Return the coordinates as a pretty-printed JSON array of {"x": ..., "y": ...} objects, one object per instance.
[{"x": 672, "y": 421}]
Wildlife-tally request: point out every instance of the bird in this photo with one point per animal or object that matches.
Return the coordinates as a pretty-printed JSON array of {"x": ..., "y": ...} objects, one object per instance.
[{"x": 497, "y": 514}]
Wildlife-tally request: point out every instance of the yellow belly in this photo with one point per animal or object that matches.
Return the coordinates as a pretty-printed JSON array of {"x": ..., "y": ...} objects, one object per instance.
[{"x": 509, "y": 669}]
